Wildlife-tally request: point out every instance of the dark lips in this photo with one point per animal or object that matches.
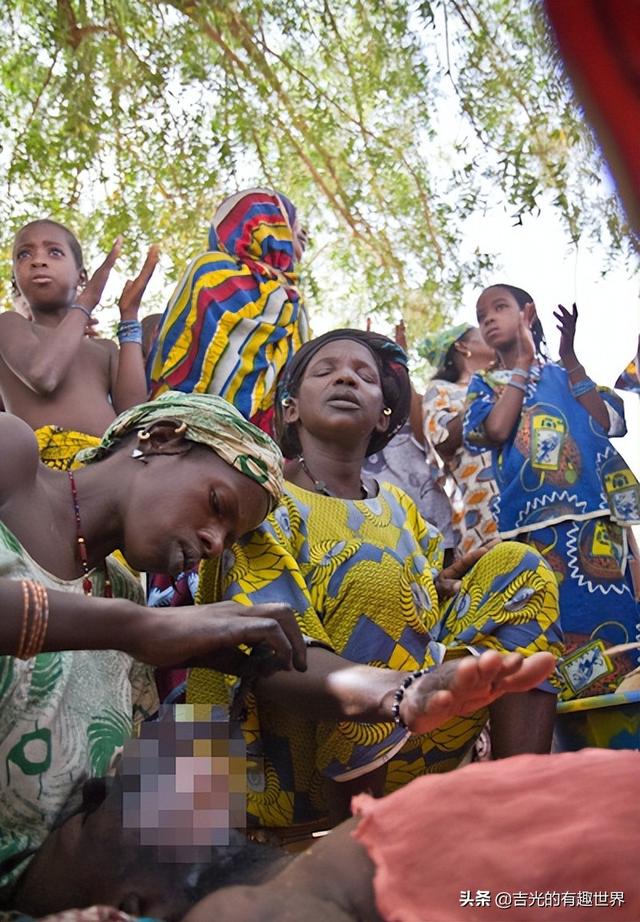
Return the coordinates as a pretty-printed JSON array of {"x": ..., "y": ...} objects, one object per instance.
[{"x": 343, "y": 397}]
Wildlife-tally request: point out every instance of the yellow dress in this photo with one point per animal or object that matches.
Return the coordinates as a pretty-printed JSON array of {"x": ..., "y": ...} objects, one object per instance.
[
  {"x": 58, "y": 447},
  {"x": 360, "y": 575}
]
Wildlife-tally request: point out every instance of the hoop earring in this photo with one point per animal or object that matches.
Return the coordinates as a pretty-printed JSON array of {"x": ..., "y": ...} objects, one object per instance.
[
  {"x": 286, "y": 401},
  {"x": 180, "y": 429},
  {"x": 387, "y": 411},
  {"x": 143, "y": 435}
]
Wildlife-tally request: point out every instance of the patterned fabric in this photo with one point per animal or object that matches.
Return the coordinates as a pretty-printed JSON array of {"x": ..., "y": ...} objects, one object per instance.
[
  {"x": 360, "y": 573},
  {"x": 210, "y": 421},
  {"x": 59, "y": 447},
  {"x": 565, "y": 490},
  {"x": 236, "y": 316},
  {"x": 391, "y": 360},
  {"x": 629, "y": 380},
  {"x": 473, "y": 473},
  {"x": 435, "y": 346},
  {"x": 402, "y": 462},
  {"x": 63, "y": 718}
]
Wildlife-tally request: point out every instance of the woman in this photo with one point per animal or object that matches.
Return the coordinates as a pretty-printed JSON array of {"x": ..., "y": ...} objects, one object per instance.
[
  {"x": 362, "y": 569},
  {"x": 74, "y": 633},
  {"x": 457, "y": 353},
  {"x": 236, "y": 316}
]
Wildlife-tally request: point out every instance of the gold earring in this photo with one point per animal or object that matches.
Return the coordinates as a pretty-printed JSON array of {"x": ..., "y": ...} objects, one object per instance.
[
  {"x": 143, "y": 435},
  {"x": 387, "y": 411},
  {"x": 467, "y": 353},
  {"x": 180, "y": 429}
]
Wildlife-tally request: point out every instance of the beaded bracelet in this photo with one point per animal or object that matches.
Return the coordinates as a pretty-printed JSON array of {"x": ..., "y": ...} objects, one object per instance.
[
  {"x": 582, "y": 387},
  {"x": 520, "y": 371},
  {"x": 399, "y": 695},
  {"x": 129, "y": 331},
  {"x": 521, "y": 387},
  {"x": 79, "y": 307}
]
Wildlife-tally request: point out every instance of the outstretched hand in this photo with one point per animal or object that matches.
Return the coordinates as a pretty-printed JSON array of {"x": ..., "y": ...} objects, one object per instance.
[
  {"x": 209, "y": 635},
  {"x": 92, "y": 292},
  {"x": 401, "y": 335},
  {"x": 131, "y": 297},
  {"x": 567, "y": 326}
]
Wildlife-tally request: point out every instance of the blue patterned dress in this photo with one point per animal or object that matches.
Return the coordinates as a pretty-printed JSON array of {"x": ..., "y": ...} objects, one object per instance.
[{"x": 566, "y": 491}]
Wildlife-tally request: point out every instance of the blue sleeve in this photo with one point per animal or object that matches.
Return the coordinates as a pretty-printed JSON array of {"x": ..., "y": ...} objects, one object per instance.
[{"x": 481, "y": 399}]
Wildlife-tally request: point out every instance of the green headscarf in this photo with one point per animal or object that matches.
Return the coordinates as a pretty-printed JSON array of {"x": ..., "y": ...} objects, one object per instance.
[
  {"x": 210, "y": 421},
  {"x": 435, "y": 346}
]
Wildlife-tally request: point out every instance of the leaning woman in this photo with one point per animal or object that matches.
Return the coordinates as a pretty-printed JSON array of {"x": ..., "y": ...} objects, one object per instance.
[
  {"x": 76, "y": 641},
  {"x": 364, "y": 573}
]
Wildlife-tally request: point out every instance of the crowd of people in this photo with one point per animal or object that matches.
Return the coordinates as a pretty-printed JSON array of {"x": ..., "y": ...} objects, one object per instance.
[{"x": 360, "y": 579}]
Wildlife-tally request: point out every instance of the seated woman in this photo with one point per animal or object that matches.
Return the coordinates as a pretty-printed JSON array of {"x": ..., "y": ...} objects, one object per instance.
[
  {"x": 236, "y": 315},
  {"x": 74, "y": 632},
  {"x": 363, "y": 572}
]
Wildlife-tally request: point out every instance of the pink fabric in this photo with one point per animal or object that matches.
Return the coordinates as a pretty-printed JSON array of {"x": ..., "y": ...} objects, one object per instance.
[{"x": 566, "y": 823}]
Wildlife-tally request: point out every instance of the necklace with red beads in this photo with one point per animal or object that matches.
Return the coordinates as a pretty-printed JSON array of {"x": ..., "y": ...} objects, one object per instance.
[{"x": 87, "y": 583}]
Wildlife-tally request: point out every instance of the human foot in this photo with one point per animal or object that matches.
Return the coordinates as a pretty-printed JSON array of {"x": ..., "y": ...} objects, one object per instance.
[{"x": 462, "y": 686}]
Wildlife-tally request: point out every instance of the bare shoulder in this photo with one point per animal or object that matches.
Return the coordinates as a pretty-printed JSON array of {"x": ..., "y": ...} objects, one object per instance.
[{"x": 19, "y": 457}]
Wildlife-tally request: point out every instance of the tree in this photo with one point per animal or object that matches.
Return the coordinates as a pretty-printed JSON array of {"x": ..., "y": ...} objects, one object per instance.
[{"x": 387, "y": 122}]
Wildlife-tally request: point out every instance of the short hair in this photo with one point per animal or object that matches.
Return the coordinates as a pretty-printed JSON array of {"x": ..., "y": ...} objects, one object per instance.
[{"x": 74, "y": 243}]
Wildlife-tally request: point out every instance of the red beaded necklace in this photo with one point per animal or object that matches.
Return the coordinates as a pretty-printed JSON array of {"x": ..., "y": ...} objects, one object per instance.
[{"x": 87, "y": 585}]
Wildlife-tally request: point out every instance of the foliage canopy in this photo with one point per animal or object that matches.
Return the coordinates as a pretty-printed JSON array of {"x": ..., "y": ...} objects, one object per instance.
[{"x": 388, "y": 122}]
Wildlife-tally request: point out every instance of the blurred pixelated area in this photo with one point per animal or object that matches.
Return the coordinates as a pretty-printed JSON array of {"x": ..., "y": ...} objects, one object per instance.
[{"x": 184, "y": 782}]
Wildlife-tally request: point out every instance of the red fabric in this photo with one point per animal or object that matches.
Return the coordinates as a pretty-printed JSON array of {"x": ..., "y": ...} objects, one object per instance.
[
  {"x": 565, "y": 823},
  {"x": 600, "y": 43}
]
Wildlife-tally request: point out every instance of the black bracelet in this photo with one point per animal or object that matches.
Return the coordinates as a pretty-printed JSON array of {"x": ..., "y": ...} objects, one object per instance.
[
  {"x": 399, "y": 695},
  {"x": 79, "y": 307}
]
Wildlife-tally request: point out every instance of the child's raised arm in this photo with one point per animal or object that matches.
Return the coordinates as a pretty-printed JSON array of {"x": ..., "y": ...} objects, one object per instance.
[
  {"x": 585, "y": 393},
  {"x": 128, "y": 379},
  {"x": 499, "y": 424},
  {"x": 41, "y": 357}
]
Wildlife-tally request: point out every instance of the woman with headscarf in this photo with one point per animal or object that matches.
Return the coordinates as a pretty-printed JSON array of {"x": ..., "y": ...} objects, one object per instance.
[
  {"x": 457, "y": 353},
  {"x": 364, "y": 573},
  {"x": 74, "y": 632},
  {"x": 236, "y": 316}
]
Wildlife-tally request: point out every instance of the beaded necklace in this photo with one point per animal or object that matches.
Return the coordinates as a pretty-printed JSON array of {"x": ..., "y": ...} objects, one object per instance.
[
  {"x": 87, "y": 585},
  {"x": 321, "y": 487}
]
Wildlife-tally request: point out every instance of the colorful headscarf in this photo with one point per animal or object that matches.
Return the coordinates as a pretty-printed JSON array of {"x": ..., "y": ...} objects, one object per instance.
[
  {"x": 435, "y": 346},
  {"x": 394, "y": 378},
  {"x": 236, "y": 316},
  {"x": 210, "y": 421},
  {"x": 629, "y": 379}
]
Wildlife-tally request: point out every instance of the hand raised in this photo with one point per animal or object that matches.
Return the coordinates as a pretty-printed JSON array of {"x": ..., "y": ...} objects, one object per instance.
[
  {"x": 209, "y": 635},
  {"x": 131, "y": 297},
  {"x": 90, "y": 296},
  {"x": 401, "y": 335},
  {"x": 567, "y": 326},
  {"x": 526, "y": 345}
]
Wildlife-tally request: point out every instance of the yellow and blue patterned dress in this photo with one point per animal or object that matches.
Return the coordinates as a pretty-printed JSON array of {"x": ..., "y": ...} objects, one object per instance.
[{"x": 360, "y": 575}]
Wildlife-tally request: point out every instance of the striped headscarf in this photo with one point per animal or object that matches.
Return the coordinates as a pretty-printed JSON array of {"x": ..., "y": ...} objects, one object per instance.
[
  {"x": 210, "y": 421},
  {"x": 236, "y": 316}
]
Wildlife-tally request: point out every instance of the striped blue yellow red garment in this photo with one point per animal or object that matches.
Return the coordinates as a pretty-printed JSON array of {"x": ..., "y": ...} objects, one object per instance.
[{"x": 236, "y": 315}]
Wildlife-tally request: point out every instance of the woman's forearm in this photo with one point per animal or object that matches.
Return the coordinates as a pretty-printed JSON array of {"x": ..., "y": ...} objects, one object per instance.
[
  {"x": 333, "y": 688},
  {"x": 75, "y": 622}
]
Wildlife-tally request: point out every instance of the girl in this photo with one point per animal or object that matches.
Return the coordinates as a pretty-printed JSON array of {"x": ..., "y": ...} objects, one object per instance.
[
  {"x": 457, "y": 353},
  {"x": 563, "y": 488}
]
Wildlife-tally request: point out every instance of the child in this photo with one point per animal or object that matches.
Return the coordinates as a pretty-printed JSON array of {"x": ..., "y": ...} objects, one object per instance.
[
  {"x": 563, "y": 487},
  {"x": 67, "y": 386}
]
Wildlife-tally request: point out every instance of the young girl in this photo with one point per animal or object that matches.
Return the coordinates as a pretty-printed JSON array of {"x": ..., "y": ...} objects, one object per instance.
[
  {"x": 456, "y": 353},
  {"x": 564, "y": 489}
]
